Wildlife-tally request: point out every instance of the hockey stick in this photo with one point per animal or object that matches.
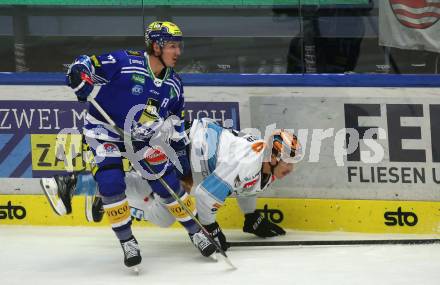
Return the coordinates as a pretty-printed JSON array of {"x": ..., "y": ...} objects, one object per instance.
[
  {"x": 332, "y": 242},
  {"x": 123, "y": 134}
]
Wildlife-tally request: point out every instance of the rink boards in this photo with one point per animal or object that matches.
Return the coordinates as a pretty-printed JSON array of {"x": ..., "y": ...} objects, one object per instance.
[
  {"x": 389, "y": 183},
  {"x": 368, "y": 216}
]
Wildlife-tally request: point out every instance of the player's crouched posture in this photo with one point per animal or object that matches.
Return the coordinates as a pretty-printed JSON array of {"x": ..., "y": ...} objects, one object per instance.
[
  {"x": 244, "y": 165},
  {"x": 230, "y": 164}
]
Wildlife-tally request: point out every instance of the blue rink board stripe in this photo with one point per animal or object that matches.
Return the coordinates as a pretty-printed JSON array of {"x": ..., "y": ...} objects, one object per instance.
[
  {"x": 20, "y": 152},
  {"x": 274, "y": 80}
]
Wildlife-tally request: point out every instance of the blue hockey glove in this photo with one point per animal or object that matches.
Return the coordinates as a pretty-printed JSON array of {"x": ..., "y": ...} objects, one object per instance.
[
  {"x": 260, "y": 226},
  {"x": 79, "y": 79}
]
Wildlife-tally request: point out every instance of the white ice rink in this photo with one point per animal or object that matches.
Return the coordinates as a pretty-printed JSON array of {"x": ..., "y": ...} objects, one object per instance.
[{"x": 75, "y": 255}]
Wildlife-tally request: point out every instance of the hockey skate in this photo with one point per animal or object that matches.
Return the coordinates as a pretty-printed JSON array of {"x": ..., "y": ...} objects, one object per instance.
[
  {"x": 203, "y": 244},
  {"x": 59, "y": 191},
  {"x": 132, "y": 253},
  {"x": 94, "y": 209}
]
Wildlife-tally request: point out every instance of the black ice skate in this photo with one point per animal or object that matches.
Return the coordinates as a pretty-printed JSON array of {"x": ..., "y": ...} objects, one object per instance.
[
  {"x": 97, "y": 209},
  {"x": 202, "y": 243},
  {"x": 132, "y": 253},
  {"x": 59, "y": 191}
]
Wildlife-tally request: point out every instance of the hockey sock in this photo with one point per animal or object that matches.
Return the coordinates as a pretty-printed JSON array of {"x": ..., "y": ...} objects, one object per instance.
[
  {"x": 180, "y": 214},
  {"x": 118, "y": 213}
]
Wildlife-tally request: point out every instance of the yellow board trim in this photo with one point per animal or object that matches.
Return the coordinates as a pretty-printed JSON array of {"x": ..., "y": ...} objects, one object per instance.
[{"x": 367, "y": 216}]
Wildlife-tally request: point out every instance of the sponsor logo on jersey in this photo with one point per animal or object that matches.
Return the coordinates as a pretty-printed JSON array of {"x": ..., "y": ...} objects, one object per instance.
[
  {"x": 136, "y": 214},
  {"x": 110, "y": 60},
  {"x": 250, "y": 183},
  {"x": 140, "y": 79},
  {"x": 155, "y": 156},
  {"x": 95, "y": 61},
  {"x": 256, "y": 175},
  {"x": 258, "y": 146},
  {"x": 11, "y": 212},
  {"x": 109, "y": 147},
  {"x": 137, "y": 90},
  {"x": 154, "y": 92},
  {"x": 133, "y": 53},
  {"x": 215, "y": 207},
  {"x": 108, "y": 150},
  {"x": 136, "y": 61}
]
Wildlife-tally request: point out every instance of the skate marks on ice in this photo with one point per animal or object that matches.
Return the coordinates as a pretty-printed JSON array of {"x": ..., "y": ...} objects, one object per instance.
[{"x": 76, "y": 255}]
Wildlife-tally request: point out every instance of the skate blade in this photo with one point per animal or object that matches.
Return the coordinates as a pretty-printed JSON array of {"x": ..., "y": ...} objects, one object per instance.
[
  {"x": 88, "y": 208},
  {"x": 135, "y": 270},
  {"x": 228, "y": 262},
  {"x": 213, "y": 257},
  {"x": 50, "y": 189}
]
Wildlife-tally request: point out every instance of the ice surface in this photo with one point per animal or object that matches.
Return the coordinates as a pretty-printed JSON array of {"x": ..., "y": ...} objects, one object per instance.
[{"x": 79, "y": 255}]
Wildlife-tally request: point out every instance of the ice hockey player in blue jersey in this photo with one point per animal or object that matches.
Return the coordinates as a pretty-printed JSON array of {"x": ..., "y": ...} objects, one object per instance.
[{"x": 138, "y": 91}]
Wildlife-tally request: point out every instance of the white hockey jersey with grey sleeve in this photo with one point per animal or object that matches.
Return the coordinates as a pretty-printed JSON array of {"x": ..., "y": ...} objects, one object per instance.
[{"x": 229, "y": 164}]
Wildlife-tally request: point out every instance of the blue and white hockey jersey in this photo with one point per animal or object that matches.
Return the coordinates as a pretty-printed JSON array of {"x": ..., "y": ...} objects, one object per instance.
[{"x": 127, "y": 80}]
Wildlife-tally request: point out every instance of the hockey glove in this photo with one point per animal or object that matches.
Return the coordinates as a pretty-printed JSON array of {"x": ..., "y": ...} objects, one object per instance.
[
  {"x": 217, "y": 234},
  {"x": 260, "y": 226},
  {"x": 79, "y": 79}
]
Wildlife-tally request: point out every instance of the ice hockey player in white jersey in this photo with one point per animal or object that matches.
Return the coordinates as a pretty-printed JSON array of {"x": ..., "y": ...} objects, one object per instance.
[{"x": 240, "y": 165}]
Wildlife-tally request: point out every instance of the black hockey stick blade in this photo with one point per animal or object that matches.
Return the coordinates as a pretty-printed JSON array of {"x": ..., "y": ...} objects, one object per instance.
[{"x": 333, "y": 242}]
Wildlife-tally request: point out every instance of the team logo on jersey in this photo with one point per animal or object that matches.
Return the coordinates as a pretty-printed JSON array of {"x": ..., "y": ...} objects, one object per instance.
[
  {"x": 133, "y": 52},
  {"x": 157, "y": 82},
  {"x": 152, "y": 108},
  {"x": 137, "y": 90},
  {"x": 151, "y": 111},
  {"x": 138, "y": 78}
]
